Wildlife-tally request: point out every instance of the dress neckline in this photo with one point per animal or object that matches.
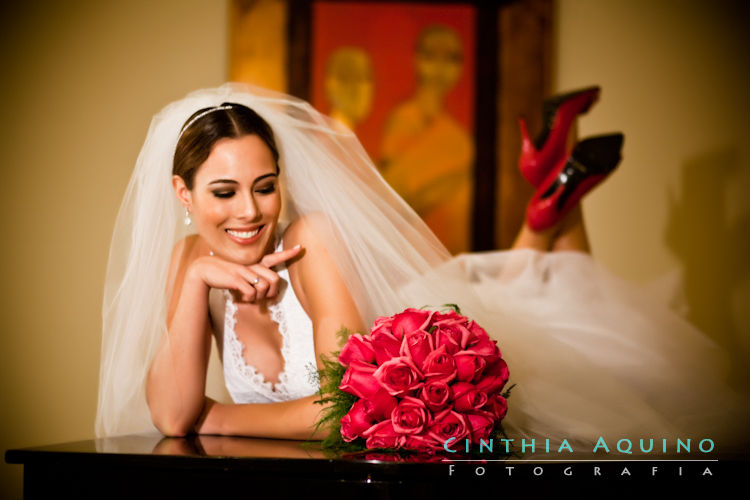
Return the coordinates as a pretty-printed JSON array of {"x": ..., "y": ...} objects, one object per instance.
[{"x": 237, "y": 348}]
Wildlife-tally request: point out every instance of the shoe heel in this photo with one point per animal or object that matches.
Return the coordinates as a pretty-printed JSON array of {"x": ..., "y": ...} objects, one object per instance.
[
  {"x": 540, "y": 156},
  {"x": 561, "y": 108}
]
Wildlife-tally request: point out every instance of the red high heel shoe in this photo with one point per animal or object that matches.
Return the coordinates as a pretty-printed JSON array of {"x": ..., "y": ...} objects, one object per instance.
[
  {"x": 591, "y": 161},
  {"x": 558, "y": 112}
]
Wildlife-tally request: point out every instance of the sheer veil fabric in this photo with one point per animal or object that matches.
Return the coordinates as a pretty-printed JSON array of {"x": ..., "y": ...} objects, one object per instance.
[
  {"x": 377, "y": 240},
  {"x": 589, "y": 354}
]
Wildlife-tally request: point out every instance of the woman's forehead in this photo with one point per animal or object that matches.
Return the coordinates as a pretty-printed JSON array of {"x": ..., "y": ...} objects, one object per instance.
[{"x": 246, "y": 157}]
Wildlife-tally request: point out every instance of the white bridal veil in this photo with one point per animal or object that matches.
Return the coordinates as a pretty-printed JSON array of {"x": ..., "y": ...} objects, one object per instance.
[
  {"x": 591, "y": 356},
  {"x": 376, "y": 239}
]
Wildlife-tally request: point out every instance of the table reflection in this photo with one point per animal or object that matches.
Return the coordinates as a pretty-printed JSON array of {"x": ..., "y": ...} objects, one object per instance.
[
  {"x": 244, "y": 447},
  {"x": 234, "y": 446},
  {"x": 205, "y": 446}
]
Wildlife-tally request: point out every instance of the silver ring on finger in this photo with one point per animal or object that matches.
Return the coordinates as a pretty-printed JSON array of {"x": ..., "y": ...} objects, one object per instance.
[{"x": 255, "y": 281}]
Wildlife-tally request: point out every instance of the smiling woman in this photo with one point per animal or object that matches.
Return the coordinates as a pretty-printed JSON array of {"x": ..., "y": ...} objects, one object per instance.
[
  {"x": 280, "y": 298},
  {"x": 235, "y": 203}
]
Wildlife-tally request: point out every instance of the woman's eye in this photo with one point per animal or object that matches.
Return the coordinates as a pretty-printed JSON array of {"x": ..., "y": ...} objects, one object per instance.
[
  {"x": 266, "y": 189},
  {"x": 223, "y": 194}
]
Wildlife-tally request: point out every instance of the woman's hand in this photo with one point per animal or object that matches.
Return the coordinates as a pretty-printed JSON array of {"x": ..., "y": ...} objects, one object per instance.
[{"x": 251, "y": 283}]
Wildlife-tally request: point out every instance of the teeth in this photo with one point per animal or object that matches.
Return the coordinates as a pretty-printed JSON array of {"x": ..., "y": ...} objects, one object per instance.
[{"x": 243, "y": 234}]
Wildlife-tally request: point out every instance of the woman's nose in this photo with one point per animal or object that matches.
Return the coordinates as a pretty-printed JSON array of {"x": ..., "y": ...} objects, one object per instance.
[{"x": 248, "y": 208}]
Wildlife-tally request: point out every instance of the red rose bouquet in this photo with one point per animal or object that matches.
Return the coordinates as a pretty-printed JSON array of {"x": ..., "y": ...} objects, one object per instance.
[{"x": 417, "y": 380}]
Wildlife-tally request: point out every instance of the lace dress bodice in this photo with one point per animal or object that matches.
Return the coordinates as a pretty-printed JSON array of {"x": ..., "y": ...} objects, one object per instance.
[{"x": 297, "y": 379}]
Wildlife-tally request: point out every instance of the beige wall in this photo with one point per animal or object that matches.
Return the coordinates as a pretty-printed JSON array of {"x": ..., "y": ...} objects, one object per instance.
[
  {"x": 675, "y": 80},
  {"x": 82, "y": 79}
]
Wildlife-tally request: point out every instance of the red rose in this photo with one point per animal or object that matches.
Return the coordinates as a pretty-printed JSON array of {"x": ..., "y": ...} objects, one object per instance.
[
  {"x": 494, "y": 377},
  {"x": 386, "y": 346},
  {"x": 450, "y": 330},
  {"x": 481, "y": 424},
  {"x": 466, "y": 397},
  {"x": 382, "y": 435},
  {"x": 498, "y": 406},
  {"x": 417, "y": 345},
  {"x": 448, "y": 424},
  {"x": 380, "y": 405},
  {"x": 381, "y": 324},
  {"x": 357, "y": 347},
  {"x": 356, "y": 421},
  {"x": 478, "y": 342},
  {"x": 409, "y": 321},
  {"x": 435, "y": 394},
  {"x": 358, "y": 379},
  {"x": 410, "y": 416},
  {"x": 439, "y": 365},
  {"x": 398, "y": 376},
  {"x": 469, "y": 366}
]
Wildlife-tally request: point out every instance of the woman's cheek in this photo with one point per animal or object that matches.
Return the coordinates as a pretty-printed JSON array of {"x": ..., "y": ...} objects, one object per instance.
[{"x": 272, "y": 207}]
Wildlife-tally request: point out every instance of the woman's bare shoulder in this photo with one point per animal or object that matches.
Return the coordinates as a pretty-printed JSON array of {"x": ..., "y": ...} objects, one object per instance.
[
  {"x": 306, "y": 231},
  {"x": 314, "y": 261}
]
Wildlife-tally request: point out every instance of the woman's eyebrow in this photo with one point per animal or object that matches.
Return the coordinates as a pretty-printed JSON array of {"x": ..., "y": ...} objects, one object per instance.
[
  {"x": 232, "y": 181},
  {"x": 264, "y": 176}
]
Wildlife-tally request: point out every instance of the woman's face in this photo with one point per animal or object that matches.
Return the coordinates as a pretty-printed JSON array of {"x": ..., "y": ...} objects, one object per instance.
[{"x": 235, "y": 200}]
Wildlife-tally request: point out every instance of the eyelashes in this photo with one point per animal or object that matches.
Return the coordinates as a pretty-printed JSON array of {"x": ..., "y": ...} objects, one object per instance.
[{"x": 262, "y": 190}]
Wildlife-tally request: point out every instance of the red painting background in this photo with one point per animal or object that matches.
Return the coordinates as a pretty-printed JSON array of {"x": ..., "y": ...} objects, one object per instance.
[{"x": 388, "y": 32}]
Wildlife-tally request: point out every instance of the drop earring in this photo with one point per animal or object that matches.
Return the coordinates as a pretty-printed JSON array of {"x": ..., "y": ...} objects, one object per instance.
[{"x": 187, "y": 219}]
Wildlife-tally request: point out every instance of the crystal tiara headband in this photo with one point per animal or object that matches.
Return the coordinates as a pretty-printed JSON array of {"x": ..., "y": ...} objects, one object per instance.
[{"x": 201, "y": 115}]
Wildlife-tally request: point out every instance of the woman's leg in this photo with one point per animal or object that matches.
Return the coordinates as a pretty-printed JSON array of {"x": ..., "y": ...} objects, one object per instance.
[
  {"x": 571, "y": 234},
  {"x": 528, "y": 238},
  {"x": 568, "y": 234}
]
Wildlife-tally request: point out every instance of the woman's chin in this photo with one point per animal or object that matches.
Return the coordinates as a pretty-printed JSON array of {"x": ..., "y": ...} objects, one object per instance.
[
  {"x": 250, "y": 255},
  {"x": 246, "y": 257}
]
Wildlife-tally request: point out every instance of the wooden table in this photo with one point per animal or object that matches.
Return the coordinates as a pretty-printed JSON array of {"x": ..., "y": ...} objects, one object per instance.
[{"x": 152, "y": 466}]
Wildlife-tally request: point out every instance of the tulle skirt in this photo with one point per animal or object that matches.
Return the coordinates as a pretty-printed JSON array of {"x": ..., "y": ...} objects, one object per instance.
[{"x": 592, "y": 356}]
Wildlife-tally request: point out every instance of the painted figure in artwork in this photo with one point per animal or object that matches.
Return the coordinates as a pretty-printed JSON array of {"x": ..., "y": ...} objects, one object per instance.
[
  {"x": 349, "y": 86},
  {"x": 426, "y": 154}
]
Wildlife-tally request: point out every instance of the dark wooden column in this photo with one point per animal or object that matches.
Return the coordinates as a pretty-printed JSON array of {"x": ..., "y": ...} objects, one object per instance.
[{"x": 525, "y": 78}]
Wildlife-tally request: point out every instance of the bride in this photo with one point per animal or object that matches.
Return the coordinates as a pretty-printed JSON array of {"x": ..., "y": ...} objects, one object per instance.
[{"x": 255, "y": 220}]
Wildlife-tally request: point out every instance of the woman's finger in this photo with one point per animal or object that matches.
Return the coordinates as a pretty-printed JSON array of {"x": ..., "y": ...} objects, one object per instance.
[
  {"x": 261, "y": 288},
  {"x": 276, "y": 258},
  {"x": 247, "y": 291},
  {"x": 267, "y": 276}
]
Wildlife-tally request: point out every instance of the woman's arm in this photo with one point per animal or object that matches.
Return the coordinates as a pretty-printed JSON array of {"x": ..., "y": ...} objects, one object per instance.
[
  {"x": 176, "y": 381},
  {"x": 325, "y": 298}
]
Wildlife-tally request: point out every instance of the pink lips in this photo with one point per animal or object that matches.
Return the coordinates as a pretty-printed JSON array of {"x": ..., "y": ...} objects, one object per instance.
[{"x": 244, "y": 241}]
